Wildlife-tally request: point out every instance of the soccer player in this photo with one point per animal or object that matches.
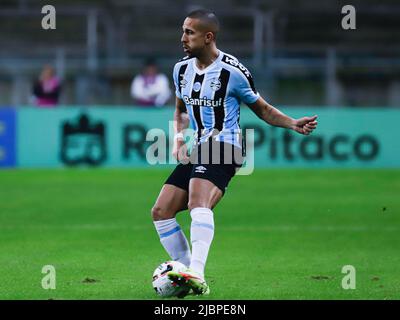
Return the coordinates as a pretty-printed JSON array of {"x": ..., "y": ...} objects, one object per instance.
[{"x": 210, "y": 85}]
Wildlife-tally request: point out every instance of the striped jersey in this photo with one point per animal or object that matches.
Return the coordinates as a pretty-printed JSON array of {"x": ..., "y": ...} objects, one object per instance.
[{"x": 213, "y": 95}]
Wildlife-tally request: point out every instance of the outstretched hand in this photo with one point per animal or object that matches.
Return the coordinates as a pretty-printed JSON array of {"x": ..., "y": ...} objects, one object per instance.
[{"x": 305, "y": 125}]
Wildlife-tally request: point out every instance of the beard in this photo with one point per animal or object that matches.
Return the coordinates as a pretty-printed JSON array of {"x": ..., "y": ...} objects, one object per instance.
[{"x": 191, "y": 53}]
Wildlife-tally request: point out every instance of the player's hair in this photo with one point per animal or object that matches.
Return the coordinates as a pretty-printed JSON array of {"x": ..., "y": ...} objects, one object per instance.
[{"x": 208, "y": 18}]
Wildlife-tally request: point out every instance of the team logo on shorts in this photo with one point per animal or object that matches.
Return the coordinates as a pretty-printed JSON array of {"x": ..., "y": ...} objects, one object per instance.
[
  {"x": 197, "y": 86},
  {"x": 215, "y": 84},
  {"x": 200, "y": 169}
]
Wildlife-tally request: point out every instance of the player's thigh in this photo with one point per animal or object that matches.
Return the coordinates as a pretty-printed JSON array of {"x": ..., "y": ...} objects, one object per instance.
[
  {"x": 169, "y": 202},
  {"x": 203, "y": 193}
]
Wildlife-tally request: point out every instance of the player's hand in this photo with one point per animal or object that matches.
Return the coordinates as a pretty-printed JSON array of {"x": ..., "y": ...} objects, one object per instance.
[
  {"x": 305, "y": 125},
  {"x": 180, "y": 152}
]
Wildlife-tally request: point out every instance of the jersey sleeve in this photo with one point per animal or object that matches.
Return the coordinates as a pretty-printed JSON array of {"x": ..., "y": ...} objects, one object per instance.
[
  {"x": 244, "y": 87},
  {"x": 176, "y": 82}
]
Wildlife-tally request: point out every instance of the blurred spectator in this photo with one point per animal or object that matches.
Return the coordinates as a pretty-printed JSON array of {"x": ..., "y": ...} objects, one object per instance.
[
  {"x": 150, "y": 88},
  {"x": 46, "y": 89}
]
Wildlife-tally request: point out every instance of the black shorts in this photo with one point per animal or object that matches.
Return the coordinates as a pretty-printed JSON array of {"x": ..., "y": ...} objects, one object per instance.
[{"x": 208, "y": 167}]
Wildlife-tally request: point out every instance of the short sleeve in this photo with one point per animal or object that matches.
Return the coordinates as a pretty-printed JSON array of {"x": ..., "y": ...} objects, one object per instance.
[{"x": 244, "y": 87}]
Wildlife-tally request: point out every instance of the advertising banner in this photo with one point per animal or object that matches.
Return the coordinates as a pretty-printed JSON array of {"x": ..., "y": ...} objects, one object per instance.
[{"x": 134, "y": 137}]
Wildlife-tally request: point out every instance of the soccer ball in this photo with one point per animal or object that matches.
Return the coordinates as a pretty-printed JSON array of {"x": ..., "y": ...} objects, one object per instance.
[{"x": 162, "y": 285}]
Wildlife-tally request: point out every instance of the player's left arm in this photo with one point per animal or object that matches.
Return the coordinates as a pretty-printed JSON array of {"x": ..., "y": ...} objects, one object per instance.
[{"x": 275, "y": 117}]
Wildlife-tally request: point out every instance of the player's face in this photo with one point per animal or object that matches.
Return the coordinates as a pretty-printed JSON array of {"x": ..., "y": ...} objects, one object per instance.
[{"x": 193, "y": 38}]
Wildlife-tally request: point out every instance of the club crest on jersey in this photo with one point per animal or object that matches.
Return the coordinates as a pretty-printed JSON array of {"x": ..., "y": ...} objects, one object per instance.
[
  {"x": 197, "y": 86},
  {"x": 215, "y": 84}
]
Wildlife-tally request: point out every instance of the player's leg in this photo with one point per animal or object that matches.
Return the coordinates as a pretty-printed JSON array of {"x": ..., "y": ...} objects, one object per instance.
[
  {"x": 170, "y": 201},
  {"x": 206, "y": 188},
  {"x": 203, "y": 197},
  {"x": 207, "y": 185}
]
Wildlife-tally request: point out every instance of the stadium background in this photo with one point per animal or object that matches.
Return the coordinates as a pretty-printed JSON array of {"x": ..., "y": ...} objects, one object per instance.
[{"x": 330, "y": 199}]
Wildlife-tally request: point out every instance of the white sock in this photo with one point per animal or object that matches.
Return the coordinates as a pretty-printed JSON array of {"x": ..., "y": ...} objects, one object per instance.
[
  {"x": 173, "y": 240},
  {"x": 201, "y": 234}
]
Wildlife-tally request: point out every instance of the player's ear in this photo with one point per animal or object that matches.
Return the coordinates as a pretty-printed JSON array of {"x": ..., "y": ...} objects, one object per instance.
[{"x": 209, "y": 37}]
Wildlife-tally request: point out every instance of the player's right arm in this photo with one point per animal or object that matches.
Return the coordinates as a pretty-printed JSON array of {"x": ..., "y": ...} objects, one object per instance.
[{"x": 181, "y": 122}]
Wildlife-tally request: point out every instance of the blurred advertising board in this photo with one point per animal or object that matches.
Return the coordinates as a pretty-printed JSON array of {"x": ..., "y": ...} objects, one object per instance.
[{"x": 124, "y": 137}]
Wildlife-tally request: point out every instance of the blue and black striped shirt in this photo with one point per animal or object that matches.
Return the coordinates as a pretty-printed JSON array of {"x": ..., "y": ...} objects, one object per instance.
[{"x": 213, "y": 95}]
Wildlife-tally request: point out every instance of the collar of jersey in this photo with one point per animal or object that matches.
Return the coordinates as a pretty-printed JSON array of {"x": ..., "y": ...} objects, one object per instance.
[{"x": 198, "y": 71}]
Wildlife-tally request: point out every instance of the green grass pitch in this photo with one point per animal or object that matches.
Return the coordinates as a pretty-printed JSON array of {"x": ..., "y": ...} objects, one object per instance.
[{"x": 279, "y": 234}]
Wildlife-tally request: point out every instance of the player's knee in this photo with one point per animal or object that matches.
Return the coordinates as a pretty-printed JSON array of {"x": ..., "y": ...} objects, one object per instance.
[
  {"x": 158, "y": 213},
  {"x": 196, "y": 204}
]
